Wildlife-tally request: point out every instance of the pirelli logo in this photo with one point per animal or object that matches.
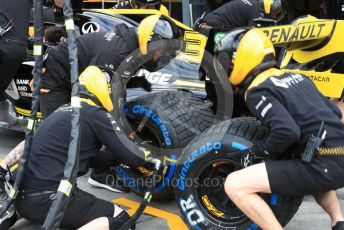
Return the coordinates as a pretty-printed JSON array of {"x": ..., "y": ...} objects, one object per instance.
[{"x": 302, "y": 32}]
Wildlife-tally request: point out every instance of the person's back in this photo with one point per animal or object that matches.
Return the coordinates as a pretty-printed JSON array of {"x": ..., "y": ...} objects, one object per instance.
[
  {"x": 17, "y": 12},
  {"x": 51, "y": 142},
  {"x": 237, "y": 13},
  {"x": 14, "y": 25},
  {"x": 50, "y": 147},
  {"x": 100, "y": 48},
  {"x": 306, "y": 106}
]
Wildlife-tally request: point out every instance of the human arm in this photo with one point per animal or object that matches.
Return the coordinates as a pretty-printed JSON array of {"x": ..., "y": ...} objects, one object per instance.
[
  {"x": 14, "y": 156},
  {"x": 335, "y": 105},
  {"x": 114, "y": 138},
  {"x": 283, "y": 129}
]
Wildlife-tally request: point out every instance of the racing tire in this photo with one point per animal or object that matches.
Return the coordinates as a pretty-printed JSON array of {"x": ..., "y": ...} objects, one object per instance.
[
  {"x": 203, "y": 168},
  {"x": 168, "y": 120}
]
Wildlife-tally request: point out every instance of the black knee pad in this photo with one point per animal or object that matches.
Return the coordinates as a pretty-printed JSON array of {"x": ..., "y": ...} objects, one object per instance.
[{"x": 117, "y": 222}]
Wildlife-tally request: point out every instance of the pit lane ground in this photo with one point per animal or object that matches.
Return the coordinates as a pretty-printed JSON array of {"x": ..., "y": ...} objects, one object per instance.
[{"x": 165, "y": 215}]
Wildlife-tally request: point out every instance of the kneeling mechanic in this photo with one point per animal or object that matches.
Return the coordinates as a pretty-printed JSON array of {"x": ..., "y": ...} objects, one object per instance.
[
  {"x": 49, "y": 153},
  {"x": 290, "y": 106}
]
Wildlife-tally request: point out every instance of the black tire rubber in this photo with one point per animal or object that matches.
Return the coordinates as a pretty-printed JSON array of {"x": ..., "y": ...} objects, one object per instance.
[
  {"x": 182, "y": 116},
  {"x": 214, "y": 154}
]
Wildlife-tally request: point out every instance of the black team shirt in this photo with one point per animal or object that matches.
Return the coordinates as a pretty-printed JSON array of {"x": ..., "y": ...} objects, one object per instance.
[
  {"x": 291, "y": 105},
  {"x": 237, "y": 13},
  {"x": 50, "y": 145}
]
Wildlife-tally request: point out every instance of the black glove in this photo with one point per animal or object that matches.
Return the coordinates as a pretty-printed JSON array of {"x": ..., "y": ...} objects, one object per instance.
[
  {"x": 253, "y": 155},
  {"x": 139, "y": 82}
]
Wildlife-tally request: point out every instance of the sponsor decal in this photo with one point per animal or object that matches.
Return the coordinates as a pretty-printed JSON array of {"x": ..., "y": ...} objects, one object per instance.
[
  {"x": 12, "y": 91},
  {"x": 19, "y": 88},
  {"x": 284, "y": 34},
  {"x": 90, "y": 27},
  {"x": 140, "y": 109},
  {"x": 108, "y": 36},
  {"x": 210, "y": 146},
  {"x": 246, "y": 2},
  {"x": 211, "y": 207},
  {"x": 266, "y": 109},
  {"x": 286, "y": 82},
  {"x": 218, "y": 37},
  {"x": 166, "y": 182},
  {"x": 156, "y": 77},
  {"x": 260, "y": 103},
  {"x": 193, "y": 215},
  {"x": 319, "y": 79}
]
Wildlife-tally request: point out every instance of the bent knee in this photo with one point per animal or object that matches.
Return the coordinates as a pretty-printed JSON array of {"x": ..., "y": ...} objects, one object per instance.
[{"x": 233, "y": 185}]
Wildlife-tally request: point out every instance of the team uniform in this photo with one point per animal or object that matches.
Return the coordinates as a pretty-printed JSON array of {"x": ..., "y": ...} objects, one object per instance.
[
  {"x": 100, "y": 49},
  {"x": 237, "y": 13},
  {"x": 291, "y": 106},
  {"x": 126, "y": 5},
  {"x": 50, "y": 152},
  {"x": 13, "y": 43}
]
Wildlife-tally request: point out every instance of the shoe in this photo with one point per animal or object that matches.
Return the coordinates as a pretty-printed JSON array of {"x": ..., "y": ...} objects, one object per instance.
[
  {"x": 339, "y": 226},
  {"x": 8, "y": 219},
  {"x": 108, "y": 180}
]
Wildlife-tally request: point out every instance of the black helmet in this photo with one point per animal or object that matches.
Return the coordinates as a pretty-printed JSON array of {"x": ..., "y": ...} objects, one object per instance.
[{"x": 275, "y": 9}]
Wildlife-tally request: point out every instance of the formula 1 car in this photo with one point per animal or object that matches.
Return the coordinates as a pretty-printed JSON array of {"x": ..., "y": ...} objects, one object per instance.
[{"x": 310, "y": 46}]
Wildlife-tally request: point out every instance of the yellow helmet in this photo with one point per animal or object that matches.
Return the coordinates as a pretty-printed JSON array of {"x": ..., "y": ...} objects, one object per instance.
[
  {"x": 94, "y": 86},
  {"x": 248, "y": 52},
  {"x": 154, "y": 28},
  {"x": 275, "y": 9}
]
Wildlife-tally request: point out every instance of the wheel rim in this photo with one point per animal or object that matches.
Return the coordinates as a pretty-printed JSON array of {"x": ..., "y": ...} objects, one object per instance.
[{"x": 212, "y": 197}]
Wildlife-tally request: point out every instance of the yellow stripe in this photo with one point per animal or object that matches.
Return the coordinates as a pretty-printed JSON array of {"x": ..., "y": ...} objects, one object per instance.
[
  {"x": 37, "y": 50},
  {"x": 65, "y": 187},
  {"x": 75, "y": 102},
  {"x": 30, "y": 124},
  {"x": 187, "y": 83},
  {"x": 69, "y": 23},
  {"x": 174, "y": 221},
  {"x": 267, "y": 6},
  {"x": 336, "y": 151},
  {"x": 26, "y": 112}
]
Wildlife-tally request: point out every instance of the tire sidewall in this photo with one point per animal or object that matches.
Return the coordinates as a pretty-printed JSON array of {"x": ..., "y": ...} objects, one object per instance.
[
  {"x": 161, "y": 126},
  {"x": 193, "y": 161}
]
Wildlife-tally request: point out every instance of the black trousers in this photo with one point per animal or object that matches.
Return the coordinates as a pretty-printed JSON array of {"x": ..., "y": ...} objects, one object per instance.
[
  {"x": 51, "y": 101},
  {"x": 81, "y": 209},
  {"x": 12, "y": 54}
]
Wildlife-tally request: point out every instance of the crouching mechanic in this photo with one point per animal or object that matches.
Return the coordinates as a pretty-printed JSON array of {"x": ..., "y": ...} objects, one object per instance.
[
  {"x": 289, "y": 105},
  {"x": 49, "y": 154},
  {"x": 240, "y": 13}
]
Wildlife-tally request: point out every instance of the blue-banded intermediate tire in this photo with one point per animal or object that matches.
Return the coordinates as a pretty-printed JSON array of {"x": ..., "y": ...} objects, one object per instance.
[
  {"x": 169, "y": 121},
  {"x": 204, "y": 166}
]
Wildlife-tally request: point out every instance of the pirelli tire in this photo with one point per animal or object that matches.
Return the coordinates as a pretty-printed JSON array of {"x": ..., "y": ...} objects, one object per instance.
[
  {"x": 167, "y": 120},
  {"x": 212, "y": 156}
]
